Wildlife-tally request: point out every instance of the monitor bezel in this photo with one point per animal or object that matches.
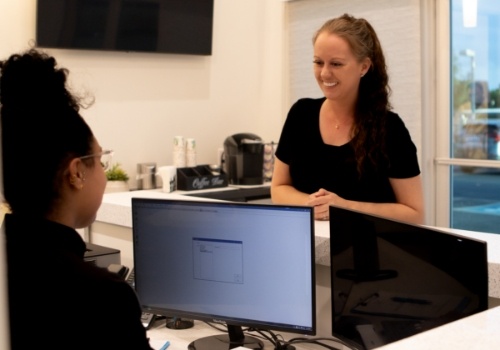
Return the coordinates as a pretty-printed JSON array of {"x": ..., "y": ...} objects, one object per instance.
[
  {"x": 481, "y": 291},
  {"x": 226, "y": 319}
]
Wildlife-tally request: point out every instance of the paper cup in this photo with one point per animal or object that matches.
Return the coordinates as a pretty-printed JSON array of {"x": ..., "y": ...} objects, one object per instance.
[{"x": 168, "y": 175}]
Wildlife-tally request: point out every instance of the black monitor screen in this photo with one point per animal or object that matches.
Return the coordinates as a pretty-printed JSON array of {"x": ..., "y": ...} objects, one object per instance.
[
  {"x": 167, "y": 26},
  {"x": 237, "y": 263},
  {"x": 391, "y": 280}
]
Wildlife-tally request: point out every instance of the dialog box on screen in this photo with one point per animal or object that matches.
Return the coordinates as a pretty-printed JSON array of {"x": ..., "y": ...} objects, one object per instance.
[{"x": 218, "y": 260}]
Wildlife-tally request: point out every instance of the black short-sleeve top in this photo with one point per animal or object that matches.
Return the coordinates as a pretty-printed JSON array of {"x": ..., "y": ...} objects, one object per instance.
[{"x": 314, "y": 164}]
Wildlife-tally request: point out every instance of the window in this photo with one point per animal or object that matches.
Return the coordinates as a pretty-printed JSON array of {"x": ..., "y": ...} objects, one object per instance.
[{"x": 474, "y": 115}]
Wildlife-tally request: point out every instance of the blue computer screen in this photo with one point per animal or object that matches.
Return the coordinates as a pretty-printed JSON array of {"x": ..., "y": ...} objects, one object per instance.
[{"x": 239, "y": 263}]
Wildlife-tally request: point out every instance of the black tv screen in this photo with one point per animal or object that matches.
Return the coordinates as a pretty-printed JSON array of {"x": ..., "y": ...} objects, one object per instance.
[
  {"x": 391, "y": 280},
  {"x": 163, "y": 26}
]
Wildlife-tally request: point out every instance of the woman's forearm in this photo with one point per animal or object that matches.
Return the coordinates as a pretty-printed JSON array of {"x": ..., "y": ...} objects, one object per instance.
[{"x": 287, "y": 194}]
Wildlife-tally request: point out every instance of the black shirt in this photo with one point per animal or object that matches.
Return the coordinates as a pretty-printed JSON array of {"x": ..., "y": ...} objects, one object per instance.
[
  {"x": 59, "y": 301},
  {"x": 314, "y": 164}
]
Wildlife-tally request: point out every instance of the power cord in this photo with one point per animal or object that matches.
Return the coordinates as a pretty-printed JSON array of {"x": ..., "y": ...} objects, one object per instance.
[
  {"x": 319, "y": 340},
  {"x": 222, "y": 328},
  {"x": 280, "y": 344}
]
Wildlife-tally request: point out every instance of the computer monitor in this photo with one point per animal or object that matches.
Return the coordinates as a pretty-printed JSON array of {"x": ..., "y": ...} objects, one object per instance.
[
  {"x": 391, "y": 280},
  {"x": 241, "y": 264}
]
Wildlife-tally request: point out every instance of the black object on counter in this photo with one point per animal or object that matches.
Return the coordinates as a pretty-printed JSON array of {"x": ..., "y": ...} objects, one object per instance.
[
  {"x": 199, "y": 178},
  {"x": 243, "y": 159},
  {"x": 251, "y": 194}
]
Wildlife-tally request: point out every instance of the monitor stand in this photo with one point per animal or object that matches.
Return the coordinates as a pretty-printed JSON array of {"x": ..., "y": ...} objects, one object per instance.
[
  {"x": 233, "y": 339},
  {"x": 365, "y": 257}
]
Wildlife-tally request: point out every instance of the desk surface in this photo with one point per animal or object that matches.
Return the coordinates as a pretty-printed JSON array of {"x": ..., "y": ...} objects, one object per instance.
[
  {"x": 180, "y": 338},
  {"x": 477, "y": 332}
]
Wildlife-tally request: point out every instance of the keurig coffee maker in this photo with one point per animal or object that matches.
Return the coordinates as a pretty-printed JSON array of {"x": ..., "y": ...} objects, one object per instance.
[{"x": 243, "y": 159}]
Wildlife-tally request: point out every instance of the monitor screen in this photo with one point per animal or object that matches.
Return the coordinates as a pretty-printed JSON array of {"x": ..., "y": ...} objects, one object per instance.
[
  {"x": 391, "y": 280},
  {"x": 166, "y": 26},
  {"x": 241, "y": 264}
]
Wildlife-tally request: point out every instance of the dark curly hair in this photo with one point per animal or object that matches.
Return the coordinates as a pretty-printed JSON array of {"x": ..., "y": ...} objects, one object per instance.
[
  {"x": 373, "y": 99},
  {"x": 42, "y": 131}
]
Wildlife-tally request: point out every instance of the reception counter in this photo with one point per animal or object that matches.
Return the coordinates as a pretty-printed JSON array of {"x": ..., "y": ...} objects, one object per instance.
[
  {"x": 114, "y": 222},
  {"x": 113, "y": 228}
]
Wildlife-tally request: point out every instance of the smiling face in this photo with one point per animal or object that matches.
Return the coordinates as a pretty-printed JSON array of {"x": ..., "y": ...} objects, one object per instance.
[{"x": 336, "y": 69}]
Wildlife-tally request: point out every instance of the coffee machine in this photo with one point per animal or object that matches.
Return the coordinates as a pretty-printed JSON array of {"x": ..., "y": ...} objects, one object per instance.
[{"x": 243, "y": 159}]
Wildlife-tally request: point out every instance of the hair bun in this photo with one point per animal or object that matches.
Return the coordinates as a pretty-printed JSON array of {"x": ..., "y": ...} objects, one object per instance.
[{"x": 31, "y": 80}]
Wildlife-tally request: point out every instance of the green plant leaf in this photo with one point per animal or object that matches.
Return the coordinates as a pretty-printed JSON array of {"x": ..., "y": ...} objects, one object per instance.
[{"x": 116, "y": 173}]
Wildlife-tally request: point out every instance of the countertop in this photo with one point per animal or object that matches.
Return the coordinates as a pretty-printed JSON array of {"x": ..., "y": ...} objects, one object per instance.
[{"x": 116, "y": 209}]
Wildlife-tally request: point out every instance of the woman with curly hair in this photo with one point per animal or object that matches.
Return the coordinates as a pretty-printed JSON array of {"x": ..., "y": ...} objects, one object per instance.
[
  {"x": 348, "y": 148},
  {"x": 54, "y": 180}
]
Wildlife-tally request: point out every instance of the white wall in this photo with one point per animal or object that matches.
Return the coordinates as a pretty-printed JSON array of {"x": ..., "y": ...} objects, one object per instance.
[{"x": 143, "y": 100}]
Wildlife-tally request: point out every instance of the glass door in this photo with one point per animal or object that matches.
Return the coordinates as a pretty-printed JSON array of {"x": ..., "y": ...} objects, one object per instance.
[{"x": 473, "y": 157}]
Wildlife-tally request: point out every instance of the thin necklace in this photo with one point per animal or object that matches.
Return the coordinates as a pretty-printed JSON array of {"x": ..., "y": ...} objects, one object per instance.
[{"x": 338, "y": 125}]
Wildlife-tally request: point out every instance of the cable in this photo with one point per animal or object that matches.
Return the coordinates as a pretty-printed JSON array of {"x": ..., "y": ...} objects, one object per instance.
[
  {"x": 273, "y": 339},
  {"x": 317, "y": 341},
  {"x": 221, "y": 328},
  {"x": 279, "y": 343}
]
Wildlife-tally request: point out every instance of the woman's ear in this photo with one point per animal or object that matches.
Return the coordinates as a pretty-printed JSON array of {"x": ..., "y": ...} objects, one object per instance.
[
  {"x": 365, "y": 66},
  {"x": 76, "y": 173}
]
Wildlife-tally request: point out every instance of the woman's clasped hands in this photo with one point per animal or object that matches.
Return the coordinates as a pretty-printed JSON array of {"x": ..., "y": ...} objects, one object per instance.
[{"x": 321, "y": 201}]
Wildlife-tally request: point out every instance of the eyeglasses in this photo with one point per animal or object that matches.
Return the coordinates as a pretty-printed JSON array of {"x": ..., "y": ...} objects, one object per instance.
[{"x": 105, "y": 155}]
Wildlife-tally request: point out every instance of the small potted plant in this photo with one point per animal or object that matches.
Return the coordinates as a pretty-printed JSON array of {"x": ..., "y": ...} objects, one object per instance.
[{"x": 117, "y": 179}]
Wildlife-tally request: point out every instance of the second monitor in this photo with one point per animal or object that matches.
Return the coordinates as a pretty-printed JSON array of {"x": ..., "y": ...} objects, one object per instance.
[{"x": 391, "y": 280}]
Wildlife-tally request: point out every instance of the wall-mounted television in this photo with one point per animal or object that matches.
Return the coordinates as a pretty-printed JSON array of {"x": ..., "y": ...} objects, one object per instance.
[
  {"x": 161, "y": 26},
  {"x": 239, "y": 264}
]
